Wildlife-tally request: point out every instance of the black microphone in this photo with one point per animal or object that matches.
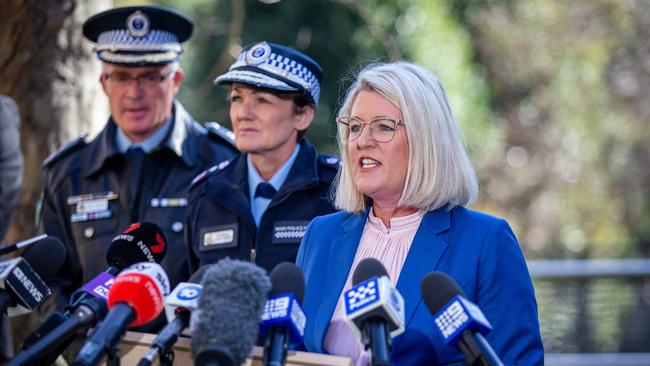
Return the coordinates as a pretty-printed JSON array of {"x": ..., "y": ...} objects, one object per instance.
[
  {"x": 6, "y": 249},
  {"x": 22, "y": 285},
  {"x": 88, "y": 304},
  {"x": 374, "y": 310},
  {"x": 459, "y": 321},
  {"x": 225, "y": 325},
  {"x": 283, "y": 320},
  {"x": 135, "y": 298},
  {"x": 140, "y": 242},
  {"x": 179, "y": 304},
  {"x": 44, "y": 345}
]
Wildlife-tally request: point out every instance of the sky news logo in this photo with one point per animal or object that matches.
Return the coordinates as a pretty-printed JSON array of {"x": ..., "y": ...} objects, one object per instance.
[{"x": 451, "y": 319}]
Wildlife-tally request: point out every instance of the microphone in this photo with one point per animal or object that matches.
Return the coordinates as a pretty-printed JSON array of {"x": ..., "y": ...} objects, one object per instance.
[
  {"x": 459, "y": 321},
  {"x": 374, "y": 310},
  {"x": 58, "y": 330},
  {"x": 88, "y": 304},
  {"x": 22, "y": 287},
  {"x": 283, "y": 320},
  {"x": 227, "y": 321},
  {"x": 178, "y": 307},
  {"x": 23, "y": 243},
  {"x": 134, "y": 299},
  {"x": 140, "y": 242}
]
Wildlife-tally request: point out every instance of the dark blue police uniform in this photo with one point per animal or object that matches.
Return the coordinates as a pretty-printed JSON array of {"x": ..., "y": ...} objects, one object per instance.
[
  {"x": 94, "y": 189},
  {"x": 220, "y": 223},
  {"x": 87, "y": 199}
]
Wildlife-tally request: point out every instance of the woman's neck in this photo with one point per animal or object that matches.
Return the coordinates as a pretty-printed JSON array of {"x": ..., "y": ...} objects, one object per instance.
[
  {"x": 267, "y": 164},
  {"x": 385, "y": 213}
]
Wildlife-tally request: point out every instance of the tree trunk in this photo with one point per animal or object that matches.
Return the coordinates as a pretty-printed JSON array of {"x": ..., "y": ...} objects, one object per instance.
[{"x": 48, "y": 68}]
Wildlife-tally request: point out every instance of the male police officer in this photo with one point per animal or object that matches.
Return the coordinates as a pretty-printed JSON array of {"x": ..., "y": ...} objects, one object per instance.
[
  {"x": 140, "y": 166},
  {"x": 257, "y": 207}
]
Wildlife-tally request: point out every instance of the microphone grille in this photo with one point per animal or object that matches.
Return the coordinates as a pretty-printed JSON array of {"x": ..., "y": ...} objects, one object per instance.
[
  {"x": 438, "y": 289},
  {"x": 287, "y": 277},
  {"x": 367, "y": 268},
  {"x": 46, "y": 257},
  {"x": 230, "y": 308},
  {"x": 140, "y": 242}
]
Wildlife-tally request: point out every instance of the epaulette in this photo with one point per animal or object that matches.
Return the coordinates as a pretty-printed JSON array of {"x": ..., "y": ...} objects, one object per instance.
[
  {"x": 329, "y": 161},
  {"x": 218, "y": 131},
  {"x": 65, "y": 150},
  {"x": 206, "y": 173}
]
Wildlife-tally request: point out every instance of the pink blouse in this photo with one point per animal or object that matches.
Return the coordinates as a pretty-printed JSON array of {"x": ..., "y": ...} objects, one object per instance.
[{"x": 390, "y": 247}]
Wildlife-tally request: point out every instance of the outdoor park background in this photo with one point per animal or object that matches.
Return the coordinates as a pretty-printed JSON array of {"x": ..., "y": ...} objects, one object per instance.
[{"x": 552, "y": 97}]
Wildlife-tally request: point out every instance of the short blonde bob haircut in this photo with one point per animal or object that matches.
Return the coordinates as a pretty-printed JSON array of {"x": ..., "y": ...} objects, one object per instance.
[{"x": 439, "y": 172}]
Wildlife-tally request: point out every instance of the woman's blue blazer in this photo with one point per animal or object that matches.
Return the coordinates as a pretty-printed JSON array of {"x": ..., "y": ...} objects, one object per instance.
[{"x": 480, "y": 252}]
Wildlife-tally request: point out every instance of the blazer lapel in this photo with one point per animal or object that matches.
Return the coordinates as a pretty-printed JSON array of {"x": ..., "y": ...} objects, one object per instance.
[
  {"x": 342, "y": 252},
  {"x": 423, "y": 257}
]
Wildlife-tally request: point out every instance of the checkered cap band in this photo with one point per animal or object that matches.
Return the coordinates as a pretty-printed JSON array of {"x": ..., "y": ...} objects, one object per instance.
[
  {"x": 138, "y": 58},
  {"x": 154, "y": 41},
  {"x": 283, "y": 68},
  {"x": 255, "y": 78}
]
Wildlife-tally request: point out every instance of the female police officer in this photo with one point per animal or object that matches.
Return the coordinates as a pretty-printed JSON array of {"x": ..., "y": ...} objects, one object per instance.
[{"x": 257, "y": 206}]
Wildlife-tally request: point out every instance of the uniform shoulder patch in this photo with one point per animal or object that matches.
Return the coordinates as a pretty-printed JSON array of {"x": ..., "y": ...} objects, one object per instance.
[
  {"x": 206, "y": 173},
  {"x": 217, "y": 131},
  {"x": 65, "y": 150}
]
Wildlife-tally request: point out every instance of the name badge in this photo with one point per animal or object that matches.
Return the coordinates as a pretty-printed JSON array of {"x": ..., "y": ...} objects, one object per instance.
[
  {"x": 219, "y": 237},
  {"x": 289, "y": 232},
  {"x": 91, "y": 206},
  {"x": 95, "y": 205}
]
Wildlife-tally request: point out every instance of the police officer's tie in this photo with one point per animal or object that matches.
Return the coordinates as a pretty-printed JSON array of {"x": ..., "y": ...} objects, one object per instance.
[
  {"x": 265, "y": 190},
  {"x": 135, "y": 155}
]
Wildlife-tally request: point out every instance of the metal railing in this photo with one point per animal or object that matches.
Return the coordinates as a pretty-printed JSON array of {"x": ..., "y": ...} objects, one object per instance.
[{"x": 584, "y": 272}]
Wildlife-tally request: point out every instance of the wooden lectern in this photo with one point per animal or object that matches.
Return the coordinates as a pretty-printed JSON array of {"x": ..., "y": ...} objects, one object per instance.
[{"x": 135, "y": 345}]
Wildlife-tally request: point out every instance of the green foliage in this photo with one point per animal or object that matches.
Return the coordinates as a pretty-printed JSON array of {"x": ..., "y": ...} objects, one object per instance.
[{"x": 530, "y": 82}]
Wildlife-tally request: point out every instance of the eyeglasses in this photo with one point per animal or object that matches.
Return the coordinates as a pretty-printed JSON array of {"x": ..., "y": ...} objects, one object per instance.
[
  {"x": 121, "y": 79},
  {"x": 382, "y": 129}
]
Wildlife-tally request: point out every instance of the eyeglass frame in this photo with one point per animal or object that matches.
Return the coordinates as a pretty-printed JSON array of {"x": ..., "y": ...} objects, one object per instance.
[
  {"x": 345, "y": 121},
  {"x": 159, "y": 78}
]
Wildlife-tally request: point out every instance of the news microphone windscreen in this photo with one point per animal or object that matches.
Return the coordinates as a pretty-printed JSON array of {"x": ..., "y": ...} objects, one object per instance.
[
  {"x": 143, "y": 287},
  {"x": 287, "y": 277},
  {"x": 46, "y": 257},
  {"x": 140, "y": 242},
  {"x": 438, "y": 289},
  {"x": 367, "y": 268},
  {"x": 230, "y": 308}
]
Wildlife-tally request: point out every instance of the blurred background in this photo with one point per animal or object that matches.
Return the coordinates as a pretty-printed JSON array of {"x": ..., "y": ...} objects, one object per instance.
[{"x": 552, "y": 97}]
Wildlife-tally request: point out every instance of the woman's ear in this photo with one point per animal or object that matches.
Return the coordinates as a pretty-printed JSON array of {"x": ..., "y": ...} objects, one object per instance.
[{"x": 304, "y": 118}]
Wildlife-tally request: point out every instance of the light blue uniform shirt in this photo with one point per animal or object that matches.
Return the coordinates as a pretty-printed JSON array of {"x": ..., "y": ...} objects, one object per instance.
[
  {"x": 124, "y": 143},
  {"x": 260, "y": 204}
]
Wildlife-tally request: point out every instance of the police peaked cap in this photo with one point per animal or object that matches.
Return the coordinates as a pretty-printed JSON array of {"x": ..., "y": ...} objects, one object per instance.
[
  {"x": 138, "y": 35},
  {"x": 272, "y": 66}
]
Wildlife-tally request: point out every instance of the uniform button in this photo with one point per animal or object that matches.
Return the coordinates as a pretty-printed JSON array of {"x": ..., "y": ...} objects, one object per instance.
[
  {"x": 177, "y": 227},
  {"x": 89, "y": 232}
]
